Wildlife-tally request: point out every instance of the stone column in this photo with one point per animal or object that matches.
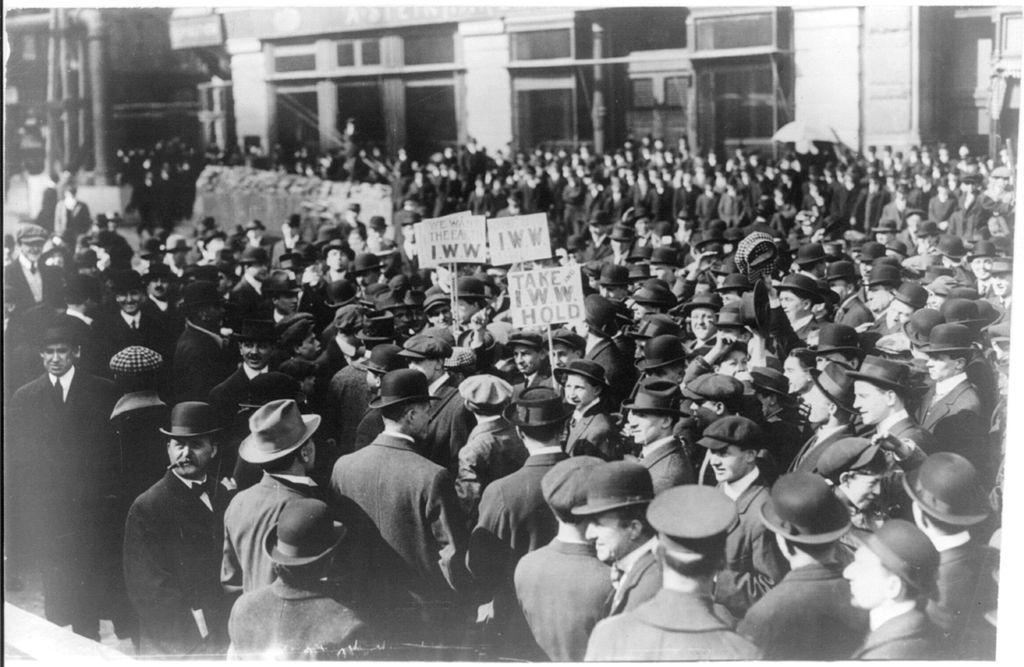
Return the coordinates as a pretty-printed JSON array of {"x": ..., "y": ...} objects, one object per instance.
[
  {"x": 96, "y": 36},
  {"x": 598, "y": 111}
]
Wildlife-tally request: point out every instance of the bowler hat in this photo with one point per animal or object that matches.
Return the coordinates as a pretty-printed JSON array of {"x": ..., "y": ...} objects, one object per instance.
[
  {"x": 848, "y": 454},
  {"x": 200, "y": 293},
  {"x": 654, "y": 295},
  {"x": 885, "y": 274},
  {"x": 886, "y": 227},
  {"x": 364, "y": 263},
  {"x": 656, "y": 396},
  {"x": 661, "y": 351},
  {"x": 279, "y": 282},
  {"x": 614, "y": 485},
  {"x": 191, "y": 419},
  {"x": 603, "y": 317},
  {"x": 664, "y": 255},
  {"x": 870, "y": 251},
  {"x": 842, "y": 270},
  {"x": 951, "y": 246},
  {"x": 713, "y": 236},
  {"x": 275, "y": 430},
  {"x": 261, "y": 331},
  {"x": 809, "y": 254},
  {"x": 623, "y": 233},
  {"x": 305, "y": 533},
  {"x": 732, "y": 430},
  {"x": 928, "y": 228},
  {"x": 803, "y": 286},
  {"x": 802, "y": 508},
  {"x": 948, "y": 488},
  {"x": 254, "y": 255},
  {"x": 834, "y": 337},
  {"x": 708, "y": 300},
  {"x": 884, "y": 373},
  {"x": 837, "y": 386},
  {"x": 599, "y": 218},
  {"x": 613, "y": 275},
  {"x": 735, "y": 282},
  {"x": 655, "y": 324},
  {"x": 586, "y": 368},
  {"x": 898, "y": 247},
  {"x": 126, "y": 281},
  {"x": 692, "y": 518},
  {"x": 920, "y": 325},
  {"x": 485, "y": 391},
  {"x": 340, "y": 293},
  {"x": 383, "y": 358},
  {"x": 403, "y": 385},
  {"x": 135, "y": 360},
  {"x": 769, "y": 379},
  {"x": 637, "y": 273},
  {"x": 961, "y": 311},
  {"x": 912, "y": 294},
  {"x": 537, "y": 406},
  {"x": 906, "y": 551},
  {"x": 948, "y": 338},
  {"x": 422, "y": 346},
  {"x": 564, "y": 486}
]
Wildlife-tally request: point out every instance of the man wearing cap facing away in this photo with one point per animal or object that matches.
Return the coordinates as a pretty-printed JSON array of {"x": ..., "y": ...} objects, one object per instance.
[
  {"x": 562, "y": 588},
  {"x": 173, "y": 543},
  {"x": 304, "y": 614},
  {"x": 807, "y": 615},
  {"x": 280, "y": 442},
  {"x": 591, "y": 430},
  {"x": 653, "y": 413},
  {"x": 618, "y": 493},
  {"x": 679, "y": 622},
  {"x": 62, "y": 485},
  {"x": 843, "y": 279},
  {"x": 948, "y": 499},
  {"x": 493, "y": 449},
  {"x": 412, "y": 504},
  {"x": 752, "y": 560},
  {"x": 893, "y": 577},
  {"x": 514, "y": 518}
]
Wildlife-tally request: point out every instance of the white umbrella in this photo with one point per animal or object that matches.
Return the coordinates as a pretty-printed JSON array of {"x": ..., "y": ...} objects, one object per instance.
[{"x": 799, "y": 132}]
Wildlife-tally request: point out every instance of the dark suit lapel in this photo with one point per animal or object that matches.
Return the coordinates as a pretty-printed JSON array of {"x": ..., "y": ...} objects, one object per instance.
[
  {"x": 936, "y": 412},
  {"x": 630, "y": 581}
]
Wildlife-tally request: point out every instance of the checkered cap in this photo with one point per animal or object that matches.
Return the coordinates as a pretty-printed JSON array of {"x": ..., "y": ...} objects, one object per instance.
[
  {"x": 461, "y": 357},
  {"x": 136, "y": 360}
]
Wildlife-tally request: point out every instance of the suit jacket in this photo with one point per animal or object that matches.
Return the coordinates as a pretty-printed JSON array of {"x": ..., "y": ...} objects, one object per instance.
[
  {"x": 598, "y": 252},
  {"x": 669, "y": 466},
  {"x": 448, "y": 428},
  {"x": 411, "y": 503},
  {"x": 348, "y": 398},
  {"x": 638, "y": 585},
  {"x": 807, "y": 616},
  {"x": 594, "y": 434},
  {"x": 172, "y": 553},
  {"x": 245, "y": 303},
  {"x": 200, "y": 364},
  {"x": 908, "y": 428},
  {"x": 753, "y": 564},
  {"x": 250, "y": 516},
  {"x": 619, "y": 370},
  {"x": 492, "y": 451},
  {"x": 136, "y": 420},
  {"x": 909, "y": 636},
  {"x": 852, "y": 312},
  {"x": 670, "y": 626},
  {"x": 294, "y": 624},
  {"x": 17, "y": 293},
  {"x": 966, "y": 591},
  {"x": 562, "y": 590},
  {"x": 806, "y": 460},
  {"x": 956, "y": 422},
  {"x": 71, "y": 224}
]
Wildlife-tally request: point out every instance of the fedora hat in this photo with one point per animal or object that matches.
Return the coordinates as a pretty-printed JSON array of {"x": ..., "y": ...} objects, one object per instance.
[
  {"x": 261, "y": 331},
  {"x": 946, "y": 338},
  {"x": 305, "y": 533},
  {"x": 614, "y": 485},
  {"x": 961, "y": 311},
  {"x": 586, "y": 368},
  {"x": 803, "y": 286},
  {"x": 654, "y": 295},
  {"x": 623, "y": 233},
  {"x": 664, "y": 255},
  {"x": 947, "y": 487},
  {"x": 602, "y": 315},
  {"x": 191, "y": 419},
  {"x": 842, "y": 270},
  {"x": 655, "y": 324},
  {"x": 735, "y": 282},
  {"x": 951, "y": 246},
  {"x": 833, "y": 337},
  {"x": 837, "y": 385},
  {"x": 200, "y": 293},
  {"x": 537, "y": 406},
  {"x": 383, "y": 359},
  {"x": 731, "y": 316},
  {"x": 340, "y": 293},
  {"x": 708, "y": 300},
  {"x": 364, "y": 263},
  {"x": 657, "y": 396},
  {"x": 809, "y": 254},
  {"x": 403, "y": 385},
  {"x": 638, "y": 273},
  {"x": 280, "y": 282},
  {"x": 884, "y": 373},
  {"x": 640, "y": 253},
  {"x": 885, "y": 274},
  {"x": 769, "y": 379},
  {"x": 254, "y": 255},
  {"x": 802, "y": 508},
  {"x": 275, "y": 430},
  {"x": 661, "y": 351}
]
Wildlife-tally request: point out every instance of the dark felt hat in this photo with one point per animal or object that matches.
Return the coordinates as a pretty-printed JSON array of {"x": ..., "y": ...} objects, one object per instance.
[
  {"x": 884, "y": 373},
  {"x": 951, "y": 246},
  {"x": 614, "y": 485},
  {"x": 570, "y": 339},
  {"x": 126, "y": 281},
  {"x": 802, "y": 508},
  {"x": 837, "y": 386},
  {"x": 537, "y": 406},
  {"x": 200, "y": 293},
  {"x": 735, "y": 282},
  {"x": 254, "y": 255},
  {"x": 272, "y": 386},
  {"x": 383, "y": 359},
  {"x": 613, "y": 275},
  {"x": 848, "y": 454},
  {"x": 340, "y": 293},
  {"x": 810, "y": 253},
  {"x": 404, "y": 385},
  {"x": 803, "y": 286},
  {"x": 191, "y": 419},
  {"x": 732, "y": 430},
  {"x": 257, "y": 330},
  {"x": 912, "y": 294},
  {"x": 842, "y": 270},
  {"x": 364, "y": 263},
  {"x": 656, "y": 396},
  {"x": 906, "y": 551},
  {"x": 949, "y": 338},
  {"x": 471, "y": 289},
  {"x": 586, "y": 368},
  {"x": 769, "y": 379},
  {"x": 305, "y": 533},
  {"x": 833, "y": 337},
  {"x": 655, "y": 324},
  {"x": 961, "y": 311},
  {"x": 655, "y": 295},
  {"x": 920, "y": 325},
  {"x": 661, "y": 351},
  {"x": 948, "y": 487},
  {"x": 708, "y": 300},
  {"x": 885, "y": 274}
]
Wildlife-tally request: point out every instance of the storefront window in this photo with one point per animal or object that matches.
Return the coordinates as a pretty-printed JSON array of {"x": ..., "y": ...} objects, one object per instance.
[
  {"x": 675, "y": 91},
  {"x": 542, "y": 44},
  {"x": 429, "y": 48},
  {"x": 297, "y": 63},
  {"x": 744, "y": 101},
  {"x": 545, "y": 117},
  {"x": 643, "y": 93},
  {"x": 430, "y": 119},
  {"x": 358, "y": 52},
  {"x": 734, "y": 32}
]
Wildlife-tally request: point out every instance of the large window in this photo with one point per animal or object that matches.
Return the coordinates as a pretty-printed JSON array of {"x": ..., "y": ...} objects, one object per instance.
[
  {"x": 429, "y": 48},
  {"x": 430, "y": 118},
  {"x": 358, "y": 52},
  {"x": 546, "y": 117},
  {"x": 362, "y": 103},
  {"x": 542, "y": 44},
  {"x": 297, "y": 119},
  {"x": 643, "y": 93},
  {"x": 744, "y": 101},
  {"x": 734, "y": 32}
]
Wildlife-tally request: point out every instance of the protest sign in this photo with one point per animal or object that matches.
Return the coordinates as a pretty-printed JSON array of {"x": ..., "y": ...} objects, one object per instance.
[
  {"x": 519, "y": 238},
  {"x": 545, "y": 296},
  {"x": 454, "y": 238}
]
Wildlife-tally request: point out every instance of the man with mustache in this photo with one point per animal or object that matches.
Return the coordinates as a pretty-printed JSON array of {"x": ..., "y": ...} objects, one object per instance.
[{"x": 173, "y": 543}]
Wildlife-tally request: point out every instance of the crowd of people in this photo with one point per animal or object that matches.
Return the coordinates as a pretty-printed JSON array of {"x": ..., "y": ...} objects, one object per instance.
[{"x": 778, "y": 432}]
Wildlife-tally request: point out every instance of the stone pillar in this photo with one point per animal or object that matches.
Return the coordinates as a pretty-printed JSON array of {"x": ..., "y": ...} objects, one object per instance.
[
  {"x": 253, "y": 100},
  {"x": 96, "y": 35},
  {"x": 891, "y": 100},
  {"x": 598, "y": 110},
  {"x": 488, "y": 85},
  {"x": 327, "y": 114}
]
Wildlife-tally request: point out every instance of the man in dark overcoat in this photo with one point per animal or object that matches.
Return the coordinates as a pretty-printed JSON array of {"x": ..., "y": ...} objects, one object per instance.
[
  {"x": 202, "y": 356},
  {"x": 129, "y": 323},
  {"x": 173, "y": 542}
]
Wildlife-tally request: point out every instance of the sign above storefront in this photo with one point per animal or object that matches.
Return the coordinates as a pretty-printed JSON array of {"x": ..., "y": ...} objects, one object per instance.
[{"x": 190, "y": 32}]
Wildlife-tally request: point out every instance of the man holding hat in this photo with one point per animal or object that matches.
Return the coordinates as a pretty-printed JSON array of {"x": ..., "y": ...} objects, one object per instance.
[
  {"x": 948, "y": 499},
  {"x": 752, "y": 561},
  {"x": 562, "y": 587},
  {"x": 591, "y": 431},
  {"x": 412, "y": 504},
  {"x": 173, "y": 544},
  {"x": 797, "y": 295},
  {"x": 513, "y": 517},
  {"x": 280, "y": 442},
  {"x": 302, "y": 615},
  {"x": 807, "y": 615},
  {"x": 618, "y": 493},
  {"x": 679, "y": 621},
  {"x": 892, "y": 577},
  {"x": 653, "y": 413},
  {"x": 493, "y": 449},
  {"x": 27, "y": 280},
  {"x": 202, "y": 356}
]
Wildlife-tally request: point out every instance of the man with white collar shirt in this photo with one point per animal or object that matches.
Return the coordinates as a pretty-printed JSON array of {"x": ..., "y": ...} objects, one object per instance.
[
  {"x": 530, "y": 353},
  {"x": 880, "y": 388},
  {"x": 835, "y": 393},
  {"x": 618, "y": 494},
  {"x": 28, "y": 281},
  {"x": 653, "y": 413},
  {"x": 130, "y": 324},
  {"x": 591, "y": 431},
  {"x": 247, "y": 298}
]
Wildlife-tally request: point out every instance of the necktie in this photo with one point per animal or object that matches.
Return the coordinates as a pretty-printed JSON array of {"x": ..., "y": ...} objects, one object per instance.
[
  {"x": 198, "y": 489},
  {"x": 34, "y": 269},
  {"x": 58, "y": 392},
  {"x": 135, "y": 327},
  {"x": 616, "y": 575}
]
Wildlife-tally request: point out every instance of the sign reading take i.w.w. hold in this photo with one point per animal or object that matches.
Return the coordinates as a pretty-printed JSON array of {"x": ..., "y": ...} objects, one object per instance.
[
  {"x": 459, "y": 237},
  {"x": 545, "y": 296},
  {"x": 520, "y": 238}
]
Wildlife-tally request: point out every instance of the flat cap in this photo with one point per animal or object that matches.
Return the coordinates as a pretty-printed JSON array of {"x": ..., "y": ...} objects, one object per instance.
[
  {"x": 732, "y": 430},
  {"x": 348, "y": 319},
  {"x": 423, "y": 346},
  {"x": 570, "y": 339},
  {"x": 31, "y": 232},
  {"x": 293, "y": 329},
  {"x": 531, "y": 339},
  {"x": 713, "y": 387},
  {"x": 564, "y": 486},
  {"x": 690, "y": 515},
  {"x": 461, "y": 359},
  {"x": 848, "y": 454},
  {"x": 135, "y": 360},
  {"x": 769, "y": 379},
  {"x": 485, "y": 391}
]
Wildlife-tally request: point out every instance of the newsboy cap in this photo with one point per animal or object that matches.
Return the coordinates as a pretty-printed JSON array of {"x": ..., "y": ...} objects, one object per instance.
[
  {"x": 564, "y": 486},
  {"x": 136, "y": 360},
  {"x": 422, "y": 346},
  {"x": 732, "y": 430},
  {"x": 485, "y": 391}
]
